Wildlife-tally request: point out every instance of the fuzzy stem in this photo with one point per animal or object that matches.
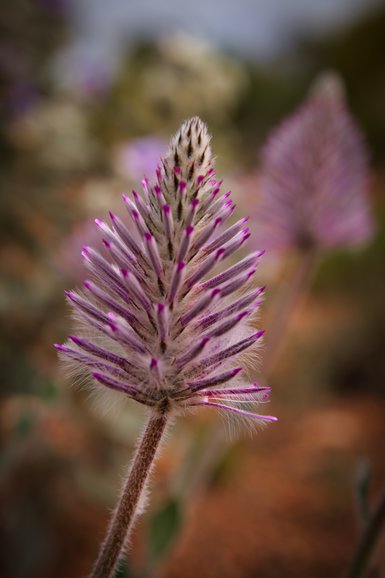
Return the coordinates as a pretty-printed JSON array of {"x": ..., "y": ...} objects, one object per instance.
[
  {"x": 368, "y": 541},
  {"x": 286, "y": 306},
  {"x": 125, "y": 512}
]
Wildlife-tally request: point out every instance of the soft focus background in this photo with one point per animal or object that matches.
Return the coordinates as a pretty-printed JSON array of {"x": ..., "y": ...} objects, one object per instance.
[{"x": 90, "y": 92}]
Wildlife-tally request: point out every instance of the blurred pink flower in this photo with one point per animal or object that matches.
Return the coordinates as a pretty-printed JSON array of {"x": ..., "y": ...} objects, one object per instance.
[
  {"x": 139, "y": 157},
  {"x": 314, "y": 176}
]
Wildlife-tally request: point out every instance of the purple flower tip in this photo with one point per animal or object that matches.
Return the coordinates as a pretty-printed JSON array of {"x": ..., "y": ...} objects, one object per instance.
[
  {"x": 87, "y": 284},
  {"x": 59, "y": 347},
  {"x": 182, "y": 185},
  {"x": 259, "y": 334},
  {"x": 106, "y": 243},
  {"x": 112, "y": 216},
  {"x": 148, "y": 236},
  {"x": 181, "y": 265},
  {"x": 189, "y": 230},
  {"x": 242, "y": 315},
  {"x": 75, "y": 339}
]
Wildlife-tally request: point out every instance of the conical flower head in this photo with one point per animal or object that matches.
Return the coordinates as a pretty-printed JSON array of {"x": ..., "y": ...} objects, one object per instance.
[
  {"x": 314, "y": 176},
  {"x": 161, "y": 320}
]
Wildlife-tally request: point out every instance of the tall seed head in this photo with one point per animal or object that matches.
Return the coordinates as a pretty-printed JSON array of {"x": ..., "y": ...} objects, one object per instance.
[{"x": 158, "y": 322}]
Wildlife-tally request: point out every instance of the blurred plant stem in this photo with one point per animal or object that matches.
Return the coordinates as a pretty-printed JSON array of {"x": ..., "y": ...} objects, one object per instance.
[
  {"x": 370, "y": 534},
  {"x": 129, "y": 502},
  {"x": 286, "y": 304},
  {"x": 200, "y": 465}
]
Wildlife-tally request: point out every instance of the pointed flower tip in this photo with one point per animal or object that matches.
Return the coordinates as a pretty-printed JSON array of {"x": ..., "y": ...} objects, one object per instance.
[
  {"x": 259, "y": 334},
  {"x": 59, "y": 346},
  {"x": 181, "y": 265},
  {"x": 87, "y": 284},
  {"x": 75, "y": 339},
  {"x": 112, "y": 215}
]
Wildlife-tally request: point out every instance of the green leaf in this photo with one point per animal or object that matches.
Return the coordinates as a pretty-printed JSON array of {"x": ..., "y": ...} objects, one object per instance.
[
  {"x": 124, "y": 571},
  {"x": 164, "y": 526}
]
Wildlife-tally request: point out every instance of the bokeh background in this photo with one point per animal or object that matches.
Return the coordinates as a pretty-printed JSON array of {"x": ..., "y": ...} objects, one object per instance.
[{"x": 89, "y": 93}]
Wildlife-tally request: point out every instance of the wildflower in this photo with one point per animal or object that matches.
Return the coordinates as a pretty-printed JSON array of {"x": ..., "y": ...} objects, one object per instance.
[
  {"x": 166, "y": 330},
  {"x": 314, "y": 176},
  {"x": 156, "y": 322},
  {"x": 139, "y": 156}
]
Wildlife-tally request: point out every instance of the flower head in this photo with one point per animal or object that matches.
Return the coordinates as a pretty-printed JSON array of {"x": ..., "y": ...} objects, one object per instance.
[
  {"x": 314, "y": 176},
  {"x": 157, "y": 322}
]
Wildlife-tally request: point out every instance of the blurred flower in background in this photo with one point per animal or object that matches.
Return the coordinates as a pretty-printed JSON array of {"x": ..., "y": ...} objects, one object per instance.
[
  {"x": 139, "y": 157},
  {"x": 314, "y": 177}
]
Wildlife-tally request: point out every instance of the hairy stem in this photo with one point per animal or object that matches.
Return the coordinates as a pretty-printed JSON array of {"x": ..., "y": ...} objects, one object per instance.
[
  {"x": 368, "y": 541},
  {"x": 286, "y": 306},
  {"x": 126, "y": 510}
]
